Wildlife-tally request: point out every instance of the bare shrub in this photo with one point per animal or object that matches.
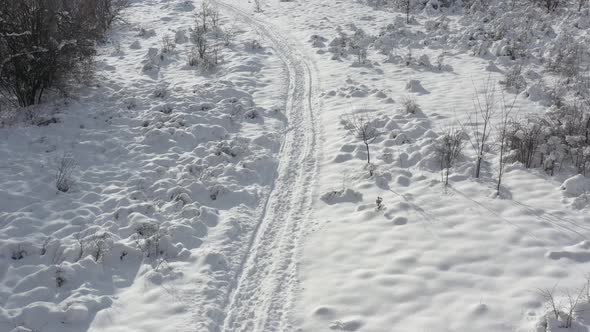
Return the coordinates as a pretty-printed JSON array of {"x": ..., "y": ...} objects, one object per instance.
[
  {"x": 549, "y": 296},
  {"x": 100, "y": 245},
  {"x": 63, "y": 176},
  {"x": 524, "y": 138},
  {"x": 410, "y": 105},
  {"x": 168, "y": 44},
  {"x": 563, "y": 308},
  {"x": 448, "y": 149},
  {"x": 199, "y": 38},
  {"x": 148, "y": 237},
  {"x": 193, "y": 57},
  {"x": 229, "y": 35},
  {"x": 513, "y": 80},
  {"x": 572, "y": 301},
  {"x": 359, "y": 44}
]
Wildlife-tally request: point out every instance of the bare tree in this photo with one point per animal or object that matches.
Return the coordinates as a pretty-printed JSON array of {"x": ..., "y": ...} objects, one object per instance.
[
  {"x": 484, "y": 108},
  {"x": 363, "y": 128},
  {"x": 502, "y": 134},
  {"x": 448, "y": 149}
]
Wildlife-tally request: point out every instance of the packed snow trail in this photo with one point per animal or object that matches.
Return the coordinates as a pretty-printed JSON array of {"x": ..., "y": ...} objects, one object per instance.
[{"x": 267, "y": 277}]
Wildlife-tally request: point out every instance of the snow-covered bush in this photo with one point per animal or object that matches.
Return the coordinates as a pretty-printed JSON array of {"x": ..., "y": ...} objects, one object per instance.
[
  {"x": 524, "y": 139},
  {"x": 356, "y": 44},
  {"x": 571, "y": 124},
  {"x": 567, "y": 55},
  {"x": 359, "y": 44},
  {"x": 513, "y": 80},
  {"x": 42, "y": 42}
]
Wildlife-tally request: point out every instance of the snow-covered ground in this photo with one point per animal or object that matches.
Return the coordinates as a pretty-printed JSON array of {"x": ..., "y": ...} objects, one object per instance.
[
  {"x": 235, "y": 199},
  {"x": 173, "y": 166}
]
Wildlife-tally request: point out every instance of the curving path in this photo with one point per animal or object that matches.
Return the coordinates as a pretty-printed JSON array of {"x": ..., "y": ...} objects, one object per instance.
[{"x": 262, "y": 295}]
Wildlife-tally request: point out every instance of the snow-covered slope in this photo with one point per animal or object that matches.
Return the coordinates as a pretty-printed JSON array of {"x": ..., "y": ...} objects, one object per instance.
[
  {"x": 173, "y": 166},
  {"x": 432, "y": 258},
  {"x": 235, "y": 198}
]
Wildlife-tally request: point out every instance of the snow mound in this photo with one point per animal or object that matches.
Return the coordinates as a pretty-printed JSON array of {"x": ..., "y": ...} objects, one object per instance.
[
  {"x": 576, "y": 185},
  {"x": 579, "y": 252},
  {"x": 416, "y": 87},
  {"x": 342, "y": 196}
]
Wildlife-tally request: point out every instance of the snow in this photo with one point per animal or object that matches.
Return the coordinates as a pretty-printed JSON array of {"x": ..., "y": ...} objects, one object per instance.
[
  {"x": 235, "y": 199},
  {"x": 173, "y": 165},
  {"x": 576, "y": 185}
]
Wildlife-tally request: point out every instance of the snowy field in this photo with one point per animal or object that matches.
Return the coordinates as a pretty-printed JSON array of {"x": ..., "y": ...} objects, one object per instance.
[{"x": 238, "y": 196}]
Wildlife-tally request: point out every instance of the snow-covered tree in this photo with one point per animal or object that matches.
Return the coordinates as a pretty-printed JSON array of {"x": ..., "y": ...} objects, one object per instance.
[{"x": 44, "y": 41}]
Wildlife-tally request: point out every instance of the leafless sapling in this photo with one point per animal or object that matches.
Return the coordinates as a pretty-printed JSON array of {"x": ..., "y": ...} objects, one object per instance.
[
  {"x": 363, "y": 128},
  {"x": 502, "y": 135},
  {"x": 572, "y": 301},
  {"x": 548, "y": 296},
  {"x": 484, "y": 108}
]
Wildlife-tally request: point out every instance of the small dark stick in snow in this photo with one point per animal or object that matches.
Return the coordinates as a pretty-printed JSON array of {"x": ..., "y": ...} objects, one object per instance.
[{"x": 379, "y": 202}]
